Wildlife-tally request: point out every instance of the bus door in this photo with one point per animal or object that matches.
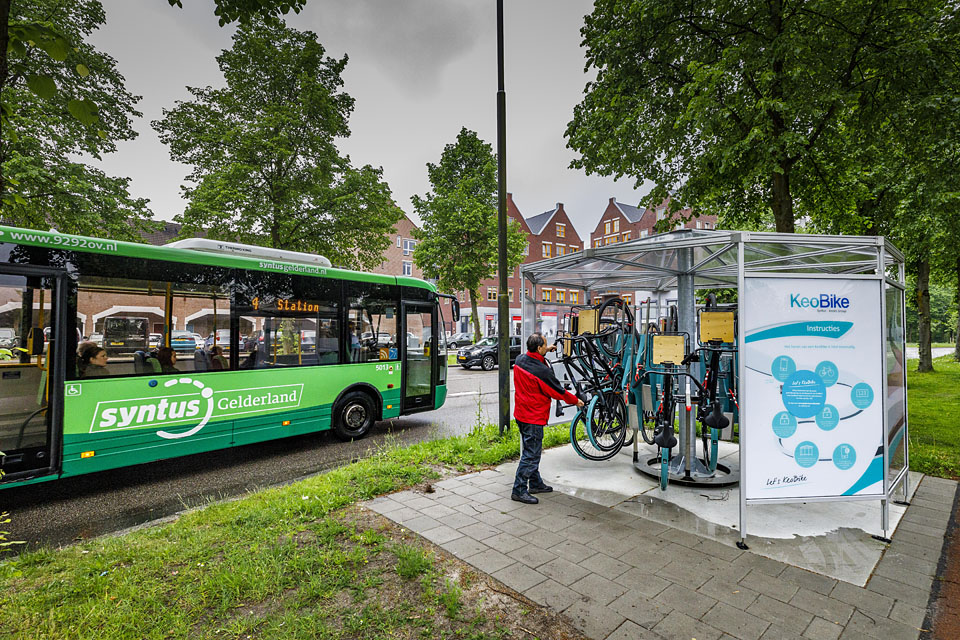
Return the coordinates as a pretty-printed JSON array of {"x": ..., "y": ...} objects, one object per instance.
[
  {"x": 418, "y": 354},
  {"x": 32, "y": 303}
]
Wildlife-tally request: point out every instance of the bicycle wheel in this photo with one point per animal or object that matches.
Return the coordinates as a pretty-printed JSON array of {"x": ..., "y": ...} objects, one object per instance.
[
  {"x": 581, "y": 441},
  {"x": 608, "y": 422}
]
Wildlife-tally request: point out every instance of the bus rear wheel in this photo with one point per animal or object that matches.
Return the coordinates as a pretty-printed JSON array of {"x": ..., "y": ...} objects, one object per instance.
[{"x": 353, "y": 416}]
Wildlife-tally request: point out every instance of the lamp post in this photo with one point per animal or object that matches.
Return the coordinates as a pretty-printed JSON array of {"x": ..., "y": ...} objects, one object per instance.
[{"x": 503, "y": 299}]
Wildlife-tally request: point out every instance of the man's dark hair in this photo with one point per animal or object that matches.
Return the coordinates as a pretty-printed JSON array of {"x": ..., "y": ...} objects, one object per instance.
[{"x": 535, "y": 341}]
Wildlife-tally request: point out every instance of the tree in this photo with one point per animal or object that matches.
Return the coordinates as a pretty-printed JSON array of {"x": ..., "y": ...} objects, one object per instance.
[
  {"x": 743, "y": 107},
  {"x": 458, "y": 241},
  {"x": 232, "y": 10},
  {"x": 266, "y": 169},
  {"x": 60, "y": 107}
]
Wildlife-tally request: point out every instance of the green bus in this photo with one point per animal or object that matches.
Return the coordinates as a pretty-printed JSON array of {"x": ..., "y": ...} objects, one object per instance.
[{"x": 303, "y": 347}]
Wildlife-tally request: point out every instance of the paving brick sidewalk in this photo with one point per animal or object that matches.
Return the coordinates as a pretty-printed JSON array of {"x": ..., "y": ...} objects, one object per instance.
[{"x": 619, "y": 576}]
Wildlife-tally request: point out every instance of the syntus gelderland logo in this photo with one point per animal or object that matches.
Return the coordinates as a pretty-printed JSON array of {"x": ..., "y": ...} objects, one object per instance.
[{"x": 181, "y": 406}]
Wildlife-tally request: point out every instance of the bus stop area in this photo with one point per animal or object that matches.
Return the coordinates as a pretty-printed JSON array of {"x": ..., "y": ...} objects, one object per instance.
[{"x": 785, "y": 508}]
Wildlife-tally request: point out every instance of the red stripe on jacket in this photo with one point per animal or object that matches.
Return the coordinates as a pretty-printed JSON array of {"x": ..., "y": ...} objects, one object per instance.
[{"x": 535, "y": 388}]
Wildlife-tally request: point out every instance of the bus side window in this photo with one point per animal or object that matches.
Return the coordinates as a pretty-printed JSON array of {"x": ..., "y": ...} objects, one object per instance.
[
  {"x": 288, "y": 321},
  {"x": 372, "y": 323}
]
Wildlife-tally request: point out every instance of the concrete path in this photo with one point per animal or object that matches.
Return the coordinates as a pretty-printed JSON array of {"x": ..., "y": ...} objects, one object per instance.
[
  {"x": 914, "y": 352},
  {"x": 619, "y": 576}
]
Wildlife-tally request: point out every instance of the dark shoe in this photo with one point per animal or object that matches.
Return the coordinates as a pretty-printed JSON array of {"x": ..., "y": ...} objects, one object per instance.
[
  {"x": 541, "y": 489},
  {"x": 524, "y": 497}
]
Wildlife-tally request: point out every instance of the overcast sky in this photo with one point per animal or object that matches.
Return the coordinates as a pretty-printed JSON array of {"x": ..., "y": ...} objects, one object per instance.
[{"x": 419, "y": 70}]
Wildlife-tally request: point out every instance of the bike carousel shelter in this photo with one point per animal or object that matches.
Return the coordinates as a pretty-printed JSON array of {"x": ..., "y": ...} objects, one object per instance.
[{"x": 821, "y": 368}]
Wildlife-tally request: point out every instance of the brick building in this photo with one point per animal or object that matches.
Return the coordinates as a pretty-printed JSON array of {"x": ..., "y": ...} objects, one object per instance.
[
  {"x": 398, "y": 258},
  {"x": 622, "y": 222},
  {"x": 549, "y": 234}
]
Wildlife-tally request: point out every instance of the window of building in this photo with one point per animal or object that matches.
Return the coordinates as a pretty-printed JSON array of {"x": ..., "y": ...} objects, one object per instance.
[
  {"x": 510, "y": 293},
  {"x": 409, "y": 246},
  {"x": 372, "y": 322},
  {"x": 491, "y": 294},
  {"x": 546, "y": 249},
  {"x": 644, "y": 233},
  {"x": 526, "y": 249},
  {"x": 699, "y": 225},
  {"x": 574, "y": 297},
  {"x": 561, "y": 230},
  {"x": 661, "y": 213},
  {"x": 560, "y": 249},
  {"x": 627, "y": 298},
  {"x": 407, "y": 268},
  {"x": 597, "y": 243},
  {"x": 548, "y": 295},
  {"x": 606, "y": 227},
  {"x": 706, "y": 225},
  {"x": 626, "y": 236},
  {"x": 399, "y": 239},
  {"x": 560, "y": 296},
  {"x": 460, "y": 296},
  {"x": 616, "y": 225}
]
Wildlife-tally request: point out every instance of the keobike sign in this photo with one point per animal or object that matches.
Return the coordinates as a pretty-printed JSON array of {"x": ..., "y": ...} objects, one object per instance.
[{"x": 813, "y": 355}]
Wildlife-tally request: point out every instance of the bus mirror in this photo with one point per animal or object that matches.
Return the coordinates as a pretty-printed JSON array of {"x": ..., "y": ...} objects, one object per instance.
[{"x": 455, "y": 308}]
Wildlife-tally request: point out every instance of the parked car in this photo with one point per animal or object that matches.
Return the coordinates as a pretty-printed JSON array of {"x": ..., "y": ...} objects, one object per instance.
[
  {"x": 485, "y": 353},
  {"x": 96, "y": 338},
  {"x": 155, "y": 340},
  {"x": 8, "y": 338},
  {"x": 220, "y": 337},
  {"x": 457, "y": 340},
  {"x": 183, "y": 341},
  {"x": 198, "y": 340}
]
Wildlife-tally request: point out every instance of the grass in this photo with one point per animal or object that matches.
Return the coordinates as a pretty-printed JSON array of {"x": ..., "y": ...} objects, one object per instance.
[
  {"x": 933, "y": 345},
  {"x": 931, "y": 401},
  {"x": 289, "y": 562}
]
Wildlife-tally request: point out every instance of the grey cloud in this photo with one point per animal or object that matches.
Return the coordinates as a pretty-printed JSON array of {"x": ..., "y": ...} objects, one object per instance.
[{"x": 410, "y": 42}]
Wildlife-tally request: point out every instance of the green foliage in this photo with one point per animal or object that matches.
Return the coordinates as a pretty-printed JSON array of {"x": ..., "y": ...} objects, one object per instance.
[
  {"x": 412, "y": 561},
  {"x": 755, "y": 108},
  {"x": 450, "y": 598},
  {"x": 266, "y": 169},
  {"x": 458, "y": 240},
  {"x": 943, "y": 312},
  {"x": 63, "y": 100},
  {"x": 232, "y": 10}
]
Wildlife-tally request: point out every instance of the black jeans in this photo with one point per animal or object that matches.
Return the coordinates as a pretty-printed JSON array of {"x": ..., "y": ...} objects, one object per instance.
[{"x": 528, "y": 472}]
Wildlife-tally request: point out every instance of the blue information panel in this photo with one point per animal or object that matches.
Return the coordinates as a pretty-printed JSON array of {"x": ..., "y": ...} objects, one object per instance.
[{"x": 813, "y": 353}]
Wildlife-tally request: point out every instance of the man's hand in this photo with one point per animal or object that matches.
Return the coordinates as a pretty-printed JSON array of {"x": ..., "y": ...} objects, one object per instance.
[
  {"x": 579, "y": 403},
  {"x": 552, "y": 347}
]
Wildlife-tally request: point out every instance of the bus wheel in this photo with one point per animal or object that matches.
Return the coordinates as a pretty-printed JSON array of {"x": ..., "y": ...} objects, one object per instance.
[
  {"x": 353, "y": 416},
  {"x": 488, "y": 363}
]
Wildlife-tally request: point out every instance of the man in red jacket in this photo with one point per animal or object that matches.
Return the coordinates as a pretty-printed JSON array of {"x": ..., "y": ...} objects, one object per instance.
[{"x": 535, "y": 386}]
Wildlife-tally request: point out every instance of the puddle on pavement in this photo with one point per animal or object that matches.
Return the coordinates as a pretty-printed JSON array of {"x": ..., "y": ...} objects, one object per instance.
[{"x": 845, "y": 553}]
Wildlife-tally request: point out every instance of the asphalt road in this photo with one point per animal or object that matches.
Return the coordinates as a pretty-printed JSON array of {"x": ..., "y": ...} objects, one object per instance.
[{"x": 58, "y": 513}]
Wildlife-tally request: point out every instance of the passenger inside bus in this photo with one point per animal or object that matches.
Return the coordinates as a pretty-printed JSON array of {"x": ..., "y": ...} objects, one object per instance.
[
  {"x": 167, "y": 358},
  {"x": 217, "y": 361},
  {"x": 93, "y": 362}
]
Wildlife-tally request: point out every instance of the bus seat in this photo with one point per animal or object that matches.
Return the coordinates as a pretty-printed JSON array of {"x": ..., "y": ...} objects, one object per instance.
[{"x": 200, "y": 361}]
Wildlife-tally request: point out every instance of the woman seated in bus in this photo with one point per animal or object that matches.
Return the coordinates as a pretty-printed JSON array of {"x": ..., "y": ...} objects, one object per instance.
[
  {"x": 93, "y": 363},
  {"x": 167, "y": 358},
  {"x": 217, "y": 361}
]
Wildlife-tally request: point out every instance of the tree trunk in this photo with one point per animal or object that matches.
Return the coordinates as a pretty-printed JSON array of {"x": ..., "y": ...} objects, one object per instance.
[
  {"x": 956, "y": 351},
  {"x": 923, "y": 304},
  {"x": 476, "y": 316},
  {"x": 782, "y": 202},
  {"x": 4, "y": 72}
]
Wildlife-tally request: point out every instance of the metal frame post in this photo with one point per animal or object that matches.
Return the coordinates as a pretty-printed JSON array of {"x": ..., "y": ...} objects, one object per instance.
[
  {"x": 503, "y": 299},
  {"x": 742, "y": 392}
]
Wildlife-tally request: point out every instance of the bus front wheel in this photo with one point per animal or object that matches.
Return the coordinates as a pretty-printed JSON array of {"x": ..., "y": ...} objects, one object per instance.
[{"x": 354, "y": 415}]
